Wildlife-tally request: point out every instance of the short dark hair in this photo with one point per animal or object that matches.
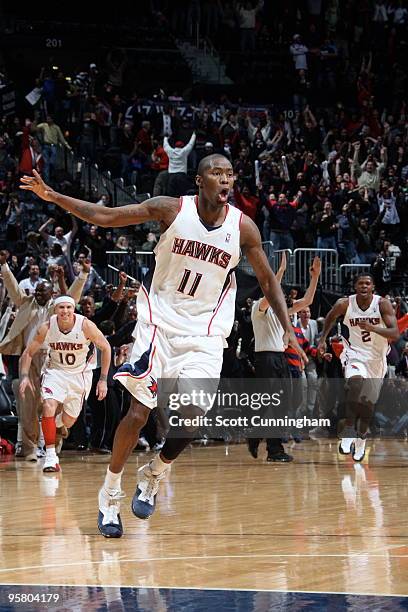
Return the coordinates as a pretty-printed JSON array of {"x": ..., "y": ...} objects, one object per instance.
[
  {"x": 107, "y": 327},
  {"x": 362, "y": 275},
  {"x": 207, "y": 162}
]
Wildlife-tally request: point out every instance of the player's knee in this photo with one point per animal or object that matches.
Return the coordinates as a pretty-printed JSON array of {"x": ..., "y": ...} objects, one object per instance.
[
  {"x": 138, "y": 414},
  {"x": 48, "y": 408},
  {"x": 190, "y": 416}
]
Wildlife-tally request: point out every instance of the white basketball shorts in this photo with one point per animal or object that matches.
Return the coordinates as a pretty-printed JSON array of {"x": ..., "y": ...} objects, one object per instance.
[
  {"x": 372, "y": 370},
  {"x": 68, "y": 389},
  {"x": 159, "y": 355}
]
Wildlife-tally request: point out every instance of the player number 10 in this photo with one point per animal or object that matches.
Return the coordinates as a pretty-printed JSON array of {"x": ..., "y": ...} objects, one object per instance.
[{"x": 69, "y": 359}]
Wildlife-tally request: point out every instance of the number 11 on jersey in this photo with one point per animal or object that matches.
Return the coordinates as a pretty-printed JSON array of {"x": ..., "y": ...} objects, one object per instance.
[{"x": 183, "y": 284}]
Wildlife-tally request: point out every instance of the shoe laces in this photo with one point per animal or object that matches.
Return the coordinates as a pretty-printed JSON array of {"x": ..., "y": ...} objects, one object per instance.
[
  {"x": 152, "y": 483},
  {"x": 112, "y": 510}
]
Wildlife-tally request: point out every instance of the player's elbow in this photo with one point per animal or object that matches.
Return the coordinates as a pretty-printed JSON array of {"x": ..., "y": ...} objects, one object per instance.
[
  {"x": 395, "y": 334},
  {"x": 266, "y": 285}
]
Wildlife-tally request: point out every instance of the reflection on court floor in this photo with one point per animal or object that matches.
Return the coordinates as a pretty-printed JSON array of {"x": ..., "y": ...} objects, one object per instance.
[{"x": 190, "y": 600}]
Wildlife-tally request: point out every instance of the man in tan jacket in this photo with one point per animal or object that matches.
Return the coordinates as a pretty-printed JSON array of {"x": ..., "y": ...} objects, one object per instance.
[{"x": 31, "y": 312}]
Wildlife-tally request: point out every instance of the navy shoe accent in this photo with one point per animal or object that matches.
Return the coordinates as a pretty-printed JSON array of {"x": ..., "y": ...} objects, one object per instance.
[
  {"x": 142, "y": 509},
  {"x": 110, "y": 530}
]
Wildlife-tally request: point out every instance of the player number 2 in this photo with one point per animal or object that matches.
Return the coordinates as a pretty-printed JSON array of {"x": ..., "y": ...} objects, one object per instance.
[
  {"x": 69, "y": 358},
  {"x": 366, "y": 336},
  {"x": 185, "y": 279}
]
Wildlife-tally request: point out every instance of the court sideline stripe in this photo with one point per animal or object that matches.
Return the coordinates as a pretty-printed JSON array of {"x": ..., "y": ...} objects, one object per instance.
[
  {"x": 184, "y": 588},
  {"x": 205, "y": 558}
]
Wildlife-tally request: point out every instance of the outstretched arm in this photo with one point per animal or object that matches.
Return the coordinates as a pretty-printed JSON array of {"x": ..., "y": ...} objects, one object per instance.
[
  {"x": 264, "y": 304},
  {"x": 25, "y": 360},
  {"x": 338, "y": 310},
  {"x": 252, "y": 247},
  {"x": 61, "y": 280},
  {"x": 308, "y": 298},
  {"x": 391, "y": 331},
  {"x": 43, "y": 229},
  {"x": 155, "y": 209},
  {"x": 17, "y": 295}
]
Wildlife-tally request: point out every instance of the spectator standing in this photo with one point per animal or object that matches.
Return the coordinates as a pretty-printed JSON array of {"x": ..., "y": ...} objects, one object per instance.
[
  {"x": 29, "y": 284},
  {"x": 326, "y": 226},
  {"x": 299, "y": 53},
  {"x": 96, "y": 243},
  {"x": 282, "y": 214},
  {"x": 345, "y": 236},
  {"x": 31, "y": 153},
  {"x": 178, "y": 183},
  {"x": 309, "y": 329},
  {"x": 52, "y": 137},
  {"x": 369, "y": 172},
  {"x": 247, "y": 22},
  {"x": 13, "y": 219},
  {"x": 59, "y": 237}
]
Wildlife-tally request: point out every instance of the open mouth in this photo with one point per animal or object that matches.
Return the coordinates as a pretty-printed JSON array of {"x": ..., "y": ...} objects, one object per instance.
[{"x": 223, "y": 195}]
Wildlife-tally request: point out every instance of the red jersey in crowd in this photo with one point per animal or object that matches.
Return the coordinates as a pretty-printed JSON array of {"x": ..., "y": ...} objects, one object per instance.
[{"x": 247, "y": 203}]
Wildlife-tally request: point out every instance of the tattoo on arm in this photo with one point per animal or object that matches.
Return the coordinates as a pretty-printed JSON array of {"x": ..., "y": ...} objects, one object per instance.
[{"x": 87, "y": 210}]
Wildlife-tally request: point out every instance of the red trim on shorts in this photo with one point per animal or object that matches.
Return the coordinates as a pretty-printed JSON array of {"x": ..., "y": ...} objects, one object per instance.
[
  {"x": 141, "y": 376},
  {"x": 240, "y": 220},
  {"x": 180, "y": 203},
  {"x": 220, "y": 301},
  {"x": 148, "y": 302}
]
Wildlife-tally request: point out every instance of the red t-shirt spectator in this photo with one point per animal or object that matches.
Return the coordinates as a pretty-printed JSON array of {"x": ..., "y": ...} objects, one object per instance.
[
  {"x": 31, "y": 156},
  {"x": 160, "y": 159},
  {"x": 144, "y": 138},
  {"x": 246, "y": 202}
]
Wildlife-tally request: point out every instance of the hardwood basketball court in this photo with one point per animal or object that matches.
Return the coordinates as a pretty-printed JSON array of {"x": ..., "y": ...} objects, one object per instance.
[{"x": 321, "y": 524}]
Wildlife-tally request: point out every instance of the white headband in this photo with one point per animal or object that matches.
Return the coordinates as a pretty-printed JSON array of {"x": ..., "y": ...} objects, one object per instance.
[{"x": 64, "y": 299}]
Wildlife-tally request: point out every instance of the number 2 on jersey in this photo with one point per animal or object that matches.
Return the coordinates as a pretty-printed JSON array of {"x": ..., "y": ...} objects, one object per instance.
[
  {"x": 183, "y": 284},
  {"x": 366, "y": 336}
]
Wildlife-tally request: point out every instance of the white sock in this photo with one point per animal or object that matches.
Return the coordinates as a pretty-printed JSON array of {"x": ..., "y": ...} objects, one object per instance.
[
  {"x": 50, "y": 452},
  {"x": 58, "y": 420},
  {"x": 112, "y": 480},
  {"x": 157, "y": 465}
]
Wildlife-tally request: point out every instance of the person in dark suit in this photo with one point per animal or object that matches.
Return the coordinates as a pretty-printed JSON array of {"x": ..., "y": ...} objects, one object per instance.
[{"x": 402, "y": 366}]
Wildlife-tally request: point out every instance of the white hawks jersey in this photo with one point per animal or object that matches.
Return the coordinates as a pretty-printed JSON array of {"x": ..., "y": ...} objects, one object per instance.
[
  {"x": 72, "y": 351},
  {"x": 364, "y": 344},
  {"x": 192, "y": 291}
]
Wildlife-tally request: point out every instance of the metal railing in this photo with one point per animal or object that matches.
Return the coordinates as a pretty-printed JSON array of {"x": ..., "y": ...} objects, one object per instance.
[
  {"x": 330, "y": 264},
  {"x": 334, "y": 277},
  {"x": 338, "y": 280},
  {"x": 97, "y": 183},
  {"x": 347, "y": 274},
  {"x": 135, "y": 263}
]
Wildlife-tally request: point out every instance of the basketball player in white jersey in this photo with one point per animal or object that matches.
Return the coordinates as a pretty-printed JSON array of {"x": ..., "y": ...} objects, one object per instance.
[
  {"x": 67, "y": 373},
  {"x": 183, "y": 317},
  {"x": 371, "y": 322}
]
